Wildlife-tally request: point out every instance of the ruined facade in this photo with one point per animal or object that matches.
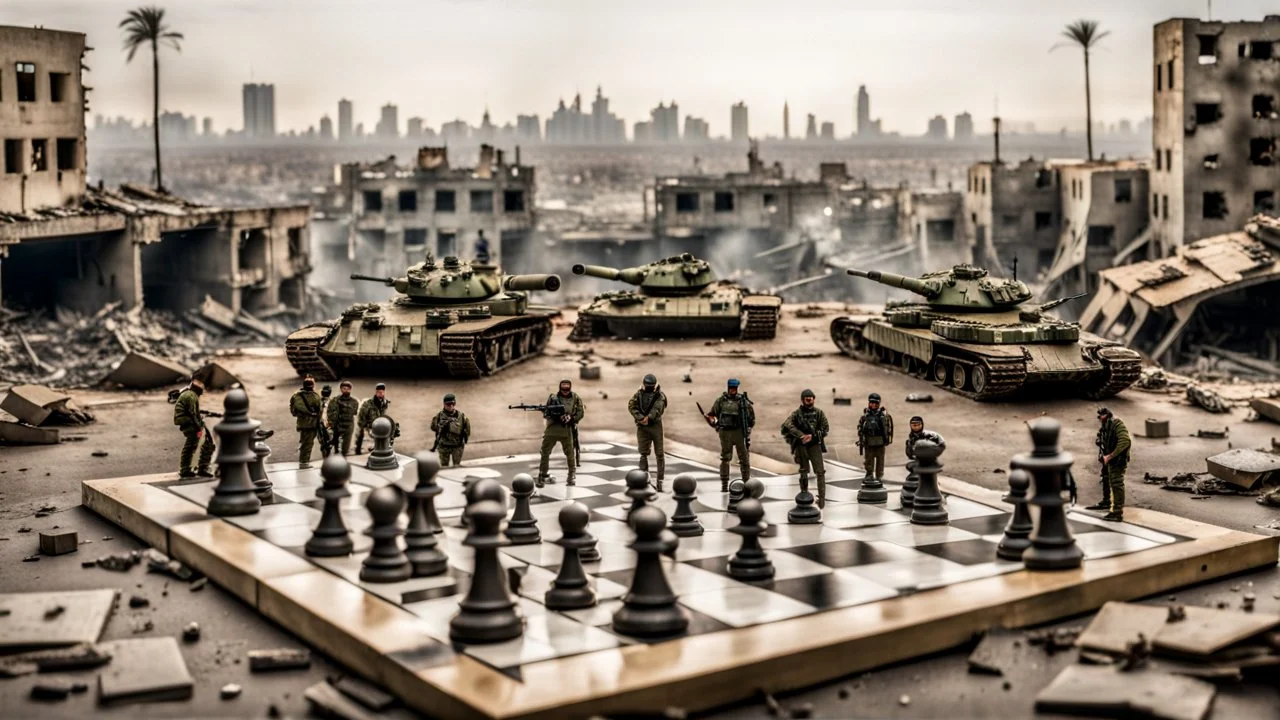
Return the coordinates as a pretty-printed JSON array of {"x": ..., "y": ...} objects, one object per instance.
[
  {"x": 1012, "y": 214},
  {"x": 1105, "y": 222},
  {"x": 1215, "y": 132}
]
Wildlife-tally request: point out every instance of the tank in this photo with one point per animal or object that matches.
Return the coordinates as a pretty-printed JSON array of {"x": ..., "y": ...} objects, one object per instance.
[
  {"x": 676, "y": 297},
  {"x": 981, "y": 337},
  {"x": 454, "y": 318}
]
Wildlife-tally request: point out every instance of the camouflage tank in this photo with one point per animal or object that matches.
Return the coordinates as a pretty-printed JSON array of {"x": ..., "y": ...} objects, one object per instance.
[
  {"x": 464, "y": 319},
  {"x": 976, "y": 335},
  {"x": 677, "y": 297}
]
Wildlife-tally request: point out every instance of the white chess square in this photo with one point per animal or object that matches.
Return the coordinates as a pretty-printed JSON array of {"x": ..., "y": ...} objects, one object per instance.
[
  {"x": 561, "y": 491},
  {"x": 276, "y": 516},
  {"x": 601, "y": 615},
  {"x": 846, "y": 515},
  {"x": 1105, "y": 544},
  {"x": 708, "y": 544},
  {"x": 745, "y": 605},
  {"x": 908, "y": 535},
  {"x": 922, "y": 570},
  {"x": 520, "y": 651}
]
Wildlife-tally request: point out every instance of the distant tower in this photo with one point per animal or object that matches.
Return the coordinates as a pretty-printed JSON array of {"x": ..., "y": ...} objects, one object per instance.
[
  {"x": 811, "y": 128},
  {"x": 326, "y": 128},
  {"x": 864, "y": 112},
  {"x": 344, "y": 120},
  {"x": 738, "y": 122},
  {"x": 786, "y": 121}
]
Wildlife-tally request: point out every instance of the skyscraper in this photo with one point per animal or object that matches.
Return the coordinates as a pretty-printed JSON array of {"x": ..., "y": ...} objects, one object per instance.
[
  {"x": 696, "y": 129},
  {"x": 738, "y": 122},
  {"x": 828, "y": 131},
  {"x": 208, "y": 127},
  {"x": 344, "y": 120},
  {"x": 666, "y": 122},
  {"x": 811, "y": 128},
  {"x": 786, "y": 121},
  {"x": 415, "y": 127},
  {"x": 963, "y": 128},
  {"x": 528, "y": 128},
  {"x": 865, "y": 127},
  {"x": 937, "y": 128},
  {"x": 326, "y": 128},
  {"x": 389, "y": 124},
  {"x": 259, "y": 110}
]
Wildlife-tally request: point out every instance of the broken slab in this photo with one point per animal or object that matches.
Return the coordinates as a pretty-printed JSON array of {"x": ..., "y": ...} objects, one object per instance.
[
  {"x": 279, "y": 659},
  {"x": 218, "y": 314},
  {"x": 144, "y": 669},
  {"x": 994, "y": 653},
  {"x": 39, "y": 405},
  {"x": 365, "y": 693},
  {"x": 12, "y": 433},
  {"x": 326, "y": 701},
  {"x": 84, "y": 615},
  {"x": 1243, "y": 467},
  {"x": 1104, "y": 691},
  {"x": 143, "y": 371},
  {"x": 1267, "y": 408},
  {"x": 76, "y": 657},
  {"x": 1208, "y": 631},
  {"x": 215, "y": 376},
  {"x": 1118, "y": 623}
]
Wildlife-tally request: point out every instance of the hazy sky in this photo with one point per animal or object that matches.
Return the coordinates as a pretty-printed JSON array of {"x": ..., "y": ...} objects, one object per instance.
[{"x": 444, "y": 59}]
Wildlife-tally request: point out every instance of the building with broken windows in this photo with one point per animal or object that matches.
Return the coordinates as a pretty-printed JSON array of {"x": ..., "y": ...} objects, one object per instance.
[
  {"x": 1012, "y": 215},
  {"x": 63, "y": 244},
  {"x": 1216, "y": 124}
]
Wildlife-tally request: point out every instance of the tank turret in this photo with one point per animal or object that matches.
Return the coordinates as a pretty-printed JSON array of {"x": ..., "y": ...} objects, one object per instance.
[
  {"x": 963, "y": 288},
  {"x": 456, "y": 281},
  {"x": 632, "y": 276},
  {"x": 677, "y": 275}
]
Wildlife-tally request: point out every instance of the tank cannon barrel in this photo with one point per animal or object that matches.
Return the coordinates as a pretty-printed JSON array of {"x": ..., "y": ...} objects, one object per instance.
[
  {"x": 388, "y": 281},
  {"x": 633, "y": 276},
  {"x": 531, "y": 282},
  {"x": 927, "y": 288}
]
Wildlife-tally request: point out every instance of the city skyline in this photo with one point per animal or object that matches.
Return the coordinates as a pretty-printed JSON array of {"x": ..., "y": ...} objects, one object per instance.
[{"x": 919, "y": 59}]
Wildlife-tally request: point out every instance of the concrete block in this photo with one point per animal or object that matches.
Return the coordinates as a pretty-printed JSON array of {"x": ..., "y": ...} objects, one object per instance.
[
  {"x": 1267, "y": 408},
  {"x": 1242, "y": 466},
  {"x": 32, "y": 404},
  {"x": 58, "y": 542},
  {"x": 143, "y": 372},
  {"x": 217, "y": 313},
  {"x": 19, "y": 434},
  {"x": 215, "y": 376}
]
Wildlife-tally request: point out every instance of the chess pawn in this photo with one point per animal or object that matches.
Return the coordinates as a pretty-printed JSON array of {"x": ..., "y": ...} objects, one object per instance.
[
  {"x": 571, "y": 590},
  {"x": 1052, "y": 545},
  {"x": 927, "y": 507},
  {"x": 754, "y": 488},
  {"x": 737, "y": 489},
  {"x": 386, "y": 562},
  {"x": 488, "y": 613},
  {"x": 750, "y": 562},
  {"x": 523, "y": 526},
  {"x": 258, "y": 468},
  {"x": 637, "y": 489},
  {"x": 382, "y": 457},
  {"x": 909, "y": 487},
  {"x": 235, "y": 493},
  {"x": 331, "y": 538},
  {"x": 422, "y": 547},
  {"x": 1017, "y": 533},
  {"x": 479, "y": 491},
  {"x": 684, "y": 521},
  {"x": 872, "y": 491},
  {"x": 649, "y": 609},
  {"x": 805, "y": 512}
]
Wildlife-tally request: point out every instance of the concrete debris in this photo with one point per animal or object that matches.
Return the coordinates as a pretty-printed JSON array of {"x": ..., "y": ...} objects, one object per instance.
[
  {"x": 158, "y": 562},
  {"x": 367, "y": 694},
  {"x": 1137, "y": 654},
  {"x": 1054, "y": 640},
  {"x": 120, "y": 562},
  {"x": 59, "y": 542},
  {"x": 769, "y": 360},
  {"x": 1200, "y": 484},
  {"x": 1157, "y": 429},
  {"x": 229, "y": 691},
  {"x": 992, "y": 654},
  {"x": 1104, "y": 691},
  {"x": 1152, "y": 379},
  {"x": 82, "y": 656},
  {"x": 1244, "y": 467},
  {"x": 12, "y": 433},
  {"x": 1266, "y": 408},
  {"x": 279, "y": 659},
  {"x": 56, "y": 691},
  {"x": 218, "y": 314},
  {"x": 38, "y": 405},
  {"x": 31, "y": 558},
  {"x": 191, "y": 633},
  {"x": 919, "y": 398},
  {"x": 326, "y": 701},
  {"x": 842, "y": 401},
  {"x": 144, "y": 669},
  {"x": 141, "y": 371},
  {"x": 589, "y": 372},
  {"x": 199, "y": 584},
  {"x": 1207, "y": 399},
  {"x": 1213, "y": 434},
  {"x": 138, "y": 601}
]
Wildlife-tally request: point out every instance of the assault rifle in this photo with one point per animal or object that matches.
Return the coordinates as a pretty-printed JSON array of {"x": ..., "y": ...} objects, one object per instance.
[
  {"x": 555, "y": 411},
  {"x": 821, "y": 438},
  {"x": 322, "y": 432}
]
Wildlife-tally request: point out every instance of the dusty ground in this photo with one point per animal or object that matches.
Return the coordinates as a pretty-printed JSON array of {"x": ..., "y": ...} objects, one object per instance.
[{"x": 136, "y": 431}]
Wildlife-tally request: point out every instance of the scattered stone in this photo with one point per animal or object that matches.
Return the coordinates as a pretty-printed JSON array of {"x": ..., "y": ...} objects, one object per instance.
[
  {"x": 137, "y": 601},
  {"x": 191, "y": 632},
  {"x": 803, "y": 710},
  {"x": 50, "y": 691},
  {"x": 99, "y": 453},
  {"x": 24, "y": 529},
  {"x": 771, "y": 704},
  {"x": 229, "y": 691},
  {"x": 279, "y": 659},
  {"x": 905, "y": 700},
  {"x": 120, "y": 562},
  {"x": 1177, "y": 613},
  {"x": 199, "y": 584},
  {"x": 105, "y": 538},
  {"x": 919, "y": 398},
  {"x": 158, "y": 562},
  {"x": 673, "y": 712},
  {"x": 844, "y": 692},
  {"x": 31, "y": 558},
  {"x": 147, "y": 626},
  {"x": 1137, "y": 653},
  {"x": 1247, "y": 602},
  {"x": 54, "y": 612},
  {"x": 990, "y": 657},
  {"x": 1006, "y": 685}
]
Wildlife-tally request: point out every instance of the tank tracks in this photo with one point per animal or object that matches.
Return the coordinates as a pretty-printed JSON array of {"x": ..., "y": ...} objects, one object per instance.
[
  {"x": 581, "y": 329},
  {"x": 761, "y": 322},
  {"x": 505, "y": 345},
  {"x": 304, "y": 352},
  {"x": 1123, "y": 367}
]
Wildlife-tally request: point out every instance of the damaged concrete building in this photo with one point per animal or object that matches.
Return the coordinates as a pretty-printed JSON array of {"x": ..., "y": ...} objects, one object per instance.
[
  {"x": 1216, "y": 127},
  {"x": 1217, "y": 296},
  {"x": 64, "y": 244},
  {"x": 1012, "y": 215}
]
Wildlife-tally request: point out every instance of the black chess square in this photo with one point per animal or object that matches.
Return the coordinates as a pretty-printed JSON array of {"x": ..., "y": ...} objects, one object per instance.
[
  {"x": 966, "y": 552},
  {"x": 841, "y": 553},
  {"x": 823, "y": 591},
  {"x": 985, "y": 524},
  {"x": 599, "y": 501}
]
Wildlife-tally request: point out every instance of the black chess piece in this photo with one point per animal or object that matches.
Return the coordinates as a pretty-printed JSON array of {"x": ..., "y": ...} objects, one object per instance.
[
  {"x": 753, "y": 488},
  {"x": 570, "y": 590},
  {"x": 488, "y": 613},
  {"x": 637, "y": 489},
  {"x": 1017, "y": 533},
  {"x": 382, "y": 457},
  {"x": 386, "y": 562},
  {"x": 480, "y": 490},
  {"x": 927, "y": 507},
  {"x": 1053, "y": 547},
  {"x": 872, "y": 491},
  {"x": 331, "y": 537},
  {"x": 805, "y": 512},
  {"x": 649, "y": 609},
  {"x": 684, "y": 521},
  {"x": 522, "y": 529},
  {"x": 750, "y": 562},
  {"x": 737, "y": 489},
  {"x": 421, "y": 545},
  {"x": 258, "y": 468},
  {"x": 912, "y": 484},
  {"x": 235, "y": 493}
]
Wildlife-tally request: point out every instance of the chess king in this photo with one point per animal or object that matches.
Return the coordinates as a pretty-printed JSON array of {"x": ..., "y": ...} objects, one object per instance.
[
  {"x": 733, "y": 415},
  {"x": 806, "y": 430},
  {"x": 875, "y": 432},
  {"x": 305, "y": 405},
  {"x": 1114, "y": 453},
  {"x": 188, "y": 418},
  {"x": 370, "y": 410},
  {"x": 453, "y": 430},
  {"x": 564, "y": 411},
  {"x": 341, "y": 417},
  {"x": 647, "y": 406}
]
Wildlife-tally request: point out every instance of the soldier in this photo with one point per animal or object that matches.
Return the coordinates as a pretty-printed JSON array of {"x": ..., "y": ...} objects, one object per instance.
[
  {"x": 875, "y": 432},
  {"x": 341, "y": 417},
  {"x": 806, "y": 430},
  {"x": 1114, "y": 454},
  {"x": 647, "y": 406},
  {"x": 453, "y": 430},
  {"x": 187, "y": 416},
  {"x": 565, "y": 411},
  {"x": 733, "y": 416},
  {"x": 370, "y": 410},
  {"x": 918, "y": 433},
  {"x": 306, "y": 405}
]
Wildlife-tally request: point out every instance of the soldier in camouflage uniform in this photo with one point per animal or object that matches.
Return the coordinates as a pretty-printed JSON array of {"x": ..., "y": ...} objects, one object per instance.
[
  {"x": 569, "y": 410},
  {"x": 646, "y": 407},
  {"x": 186, "y": 415},
  {"x": 341, "y": 417},
  {"x": 370, "y": 410},
  {"x": 875, "y": 433},
  {"x": 733, "y": 416},
  {"x": 1114, "y": 454},
  {"x": 305, "y": 405},
  {"x": 453, "y": 430},
  {"x": 806, "y": 430}
]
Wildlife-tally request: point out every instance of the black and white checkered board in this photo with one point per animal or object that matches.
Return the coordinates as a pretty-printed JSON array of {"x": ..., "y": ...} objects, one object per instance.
[{"x": 859, "y": 554}]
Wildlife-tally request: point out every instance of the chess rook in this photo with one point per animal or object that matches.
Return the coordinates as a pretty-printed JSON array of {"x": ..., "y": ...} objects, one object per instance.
[
  {"x": 737, "y": 489},
  {"x": 488, "y": 613},
  {"x": 522, "y": 529},
  {"x": 570, "y": 590},
  {"x": 750, "y": 562},
  {"x": 1017, "y": 533},
  {"x": 382, "y": 457},
  {"x": 649, "y": 609},
  {"x": 386, "y": 562},
  {"x": 909, "y": 487},
  {"x": 331, "y": 538},
  {"x": 684, "y": 521},
  {"x": 235, "y": 493},
  {"x": 258, "y": 468},
  {"x": 421, "y": 546},
  {"x": 1052, "y": 545},
  {"x": 927, "y": 508}
]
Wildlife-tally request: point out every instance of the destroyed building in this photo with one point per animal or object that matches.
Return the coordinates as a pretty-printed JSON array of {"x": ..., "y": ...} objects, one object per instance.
[
  {"x": 386, "y": 216},
  {"x": 1215, "y": 130},
  {"x": 1217, "y": 296},
  {"x": 1012, "y": 215}
]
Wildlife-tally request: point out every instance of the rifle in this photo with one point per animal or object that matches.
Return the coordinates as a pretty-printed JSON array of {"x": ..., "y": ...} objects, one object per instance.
[
  {"x": 551, "y": 411},
  {"x": 742, "y": 418},
  {"x": 820, "y": 437},
  {"x": 322, "y": 432},
  {"x": 210, "y": 413},
  {"x": 704, "y": 415},
  {"x": 1071, "y": 486}
]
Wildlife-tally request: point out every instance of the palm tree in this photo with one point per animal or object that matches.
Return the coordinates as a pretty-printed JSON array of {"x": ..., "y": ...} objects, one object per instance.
[
  {"x": 1085, "y": 34},
  {"x": 142, "y": 26}
]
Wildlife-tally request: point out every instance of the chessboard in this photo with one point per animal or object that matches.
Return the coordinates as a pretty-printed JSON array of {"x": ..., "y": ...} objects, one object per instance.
[{"x": 862, "y": 588}]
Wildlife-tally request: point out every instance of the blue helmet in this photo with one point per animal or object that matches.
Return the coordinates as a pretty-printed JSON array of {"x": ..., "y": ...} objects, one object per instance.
[{"x": 733, "y": 382}]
